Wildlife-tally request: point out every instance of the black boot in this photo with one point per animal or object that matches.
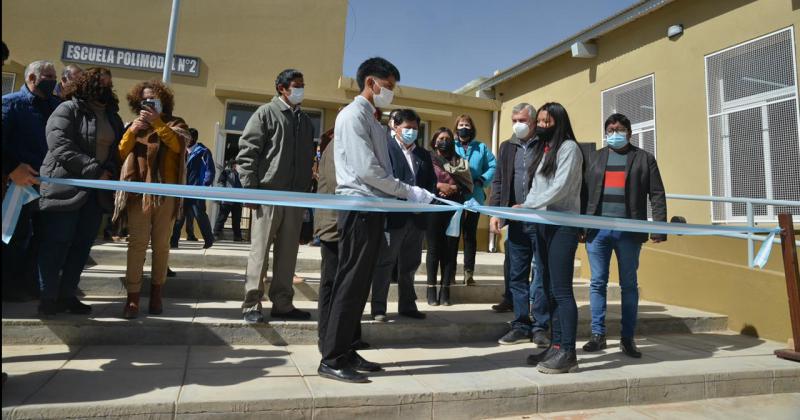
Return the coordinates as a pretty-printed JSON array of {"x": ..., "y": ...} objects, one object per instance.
[
  {"x": 432, "y": 300},
  {"x": 596, "y": 343},
  {"x": 444, "y": 296},
  {"x": 563, "y": 361},
  {"x": 536, "y": 358},
  {"x": 628, "y": 346}
]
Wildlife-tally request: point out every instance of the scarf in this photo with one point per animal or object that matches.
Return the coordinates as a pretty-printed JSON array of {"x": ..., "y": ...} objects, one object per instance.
[{"x": 457, "y": 168}]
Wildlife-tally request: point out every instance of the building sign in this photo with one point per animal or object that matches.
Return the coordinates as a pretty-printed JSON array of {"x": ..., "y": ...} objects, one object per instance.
[{"x": 128, "y": 59}]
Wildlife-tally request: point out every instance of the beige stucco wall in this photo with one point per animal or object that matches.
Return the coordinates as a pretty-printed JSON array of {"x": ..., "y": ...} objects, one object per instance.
[
  {"x": 243, "y": 43},
  {"x": 708, "y": 273}
]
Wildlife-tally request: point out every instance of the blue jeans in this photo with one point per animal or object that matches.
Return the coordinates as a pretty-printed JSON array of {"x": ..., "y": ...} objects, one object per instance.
[
  {"x": 67, "y": 238},
  {"x": 525, "y": 295},
  {"x": 627, "y": 249},
  {"x": 555, "y": 253}
]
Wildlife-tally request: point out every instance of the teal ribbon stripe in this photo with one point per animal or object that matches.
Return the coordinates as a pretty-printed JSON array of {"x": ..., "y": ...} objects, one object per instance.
[{"x": 16, "y": 197}]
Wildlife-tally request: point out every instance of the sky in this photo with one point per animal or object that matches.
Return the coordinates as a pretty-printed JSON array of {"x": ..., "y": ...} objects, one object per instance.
[{"x": 444, "y": 44}]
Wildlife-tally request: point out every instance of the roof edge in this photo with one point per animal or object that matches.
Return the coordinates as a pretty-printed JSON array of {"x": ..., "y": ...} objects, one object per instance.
[{"x": 601, "y": 28}]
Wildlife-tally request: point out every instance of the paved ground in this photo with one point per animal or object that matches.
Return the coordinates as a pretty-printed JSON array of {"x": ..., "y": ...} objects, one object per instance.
[
  {"x": 457, "y": 381},
  {"x": 759, "y": 407}
]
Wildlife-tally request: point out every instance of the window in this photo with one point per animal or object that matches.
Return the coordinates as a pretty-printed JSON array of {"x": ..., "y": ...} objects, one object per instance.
[
  {"x": 236, "y": 116},
  {"x": 751, "y": 92},
  {"x": 635, "y": 100},
  {"x": 8, "y": 82}
]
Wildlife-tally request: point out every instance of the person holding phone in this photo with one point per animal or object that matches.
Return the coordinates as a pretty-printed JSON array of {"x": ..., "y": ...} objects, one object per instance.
[{"x": 153, "y": 150}]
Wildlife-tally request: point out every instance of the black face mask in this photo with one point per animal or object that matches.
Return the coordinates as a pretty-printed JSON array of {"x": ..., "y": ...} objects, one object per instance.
[
  {"x": 46, "y": 86},
  {"x": 545, "y": 133},
  {"x": 466, "y": 133},
  {"x": 443, "y": 145}
]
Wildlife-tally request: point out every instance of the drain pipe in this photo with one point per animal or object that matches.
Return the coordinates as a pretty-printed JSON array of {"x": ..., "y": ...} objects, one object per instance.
[{"x": 495, "y": 148}]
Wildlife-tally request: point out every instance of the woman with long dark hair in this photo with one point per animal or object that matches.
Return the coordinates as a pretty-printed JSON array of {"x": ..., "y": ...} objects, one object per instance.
[
  {"x": 453, "y": 182},
  {"x": 82, "y": 137},
  {"x": 555, "y": 180}
]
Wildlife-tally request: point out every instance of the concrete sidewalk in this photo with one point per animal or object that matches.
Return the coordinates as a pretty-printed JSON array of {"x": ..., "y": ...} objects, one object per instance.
[{"x": 477, "y": 380}]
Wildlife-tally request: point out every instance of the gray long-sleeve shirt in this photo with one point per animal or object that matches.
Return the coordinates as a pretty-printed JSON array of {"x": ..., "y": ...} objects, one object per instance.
[
  {"x": 562, "y": 192},
  {"x": 361, "y": 154}
]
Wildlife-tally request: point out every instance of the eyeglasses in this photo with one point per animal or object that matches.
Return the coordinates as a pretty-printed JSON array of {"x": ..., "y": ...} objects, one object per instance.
[{"x": 618, "y": 131}]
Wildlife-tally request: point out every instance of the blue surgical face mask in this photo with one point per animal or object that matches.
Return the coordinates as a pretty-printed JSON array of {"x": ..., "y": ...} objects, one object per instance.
[
  {"x": 409, "y": 135},
  {"x": 616, "y": 140}
]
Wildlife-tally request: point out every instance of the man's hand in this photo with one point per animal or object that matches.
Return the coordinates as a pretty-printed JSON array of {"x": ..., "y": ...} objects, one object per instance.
[
  {"x": 420, "y": 195},
  {"x": 149, "y": 114},
  {"x": 106, "y": 176},
  {"x": 494, "y": 225},
  {"x": 516, "y": 206},
  {"x": 24, "y": 175},
  {"x": 657, "y": 240}
]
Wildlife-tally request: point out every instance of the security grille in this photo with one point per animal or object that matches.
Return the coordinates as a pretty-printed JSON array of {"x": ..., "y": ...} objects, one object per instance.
[
  {"x": 8, "y": 82},
  {"x": 635, "y": 100},
  {"x": 753, "y": 126}
]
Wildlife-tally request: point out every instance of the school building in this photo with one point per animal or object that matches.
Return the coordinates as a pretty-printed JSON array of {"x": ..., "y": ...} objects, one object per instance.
[{"x": 710, "y": 86}]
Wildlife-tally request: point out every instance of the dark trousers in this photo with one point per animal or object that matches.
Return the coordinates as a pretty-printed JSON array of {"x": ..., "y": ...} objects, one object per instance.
[
  {"x": 235, "y": 210},
  {"x": 20, "y": 272},
  {"x": 442, "y": 250},
  {"x": 401, "y": 255},
  {"x": 360, "y": 236},
  {"x": 67, "y": 238},
  {"x": 527, "y": 294},
  {"x": 469, "y": 230},
  {"x": 197, "y": 210},
  {"x": 330, "y": 260},
  {"x": 555, "y": 251},
  {"x": 506, "y": 276}
]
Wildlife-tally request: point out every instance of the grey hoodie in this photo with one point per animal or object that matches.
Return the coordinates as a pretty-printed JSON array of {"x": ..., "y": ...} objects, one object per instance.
[{"x": 562, "y": 192}]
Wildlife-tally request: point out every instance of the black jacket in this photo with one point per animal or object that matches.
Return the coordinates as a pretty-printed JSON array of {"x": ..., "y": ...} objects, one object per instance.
[
  {"x": 503, "y": 180},
  {"x": 71, "y": 143},
  {"x": 425, "y": 178},
  {"x": 642, "y": 180}
]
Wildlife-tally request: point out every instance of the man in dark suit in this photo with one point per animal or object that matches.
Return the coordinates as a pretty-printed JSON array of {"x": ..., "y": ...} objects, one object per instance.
[
  {"x": 620, "y": 181},
  {"x": 412, "y": 165}
]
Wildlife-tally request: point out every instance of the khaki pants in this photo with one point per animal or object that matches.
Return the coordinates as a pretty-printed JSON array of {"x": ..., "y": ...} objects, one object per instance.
[
  {"x": 279, "y": 226},
  {"x": 155, "y": 229}
]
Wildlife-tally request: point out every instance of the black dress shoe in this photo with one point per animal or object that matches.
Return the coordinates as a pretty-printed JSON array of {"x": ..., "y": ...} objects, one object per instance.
[
  {"x": 628, "y": 346},
  {"x": 253, "y": 317},
  {"x": 535, "y": 359},
  {"x": 74, "y": 306},
  {"x": 413, "y": 314},
  {"x": 294, "y": 314},
  {"x": 596, "y": 343},
  {"x": 345, "y": 374},
  {"x": 48, "y": 308},
  {"x": 360, "y": 345},
  {"x": 208, "y": 244},
  {"x": 171, "y": 273},
  {"x": 363, "y": 365},
  {"x": 503, "y": 307}
]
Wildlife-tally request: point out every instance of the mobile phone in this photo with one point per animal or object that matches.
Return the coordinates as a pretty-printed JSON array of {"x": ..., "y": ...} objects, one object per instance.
[{"x": 154, "y": 104}]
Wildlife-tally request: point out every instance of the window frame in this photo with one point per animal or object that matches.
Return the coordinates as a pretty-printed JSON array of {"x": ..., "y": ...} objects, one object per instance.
[
  {"x": 760, "y": 101},
  {"x": 637, "y": 129}
]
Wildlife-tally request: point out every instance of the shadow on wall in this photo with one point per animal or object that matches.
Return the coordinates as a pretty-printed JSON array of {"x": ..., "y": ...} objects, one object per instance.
[{"x": 646, "y": 33}]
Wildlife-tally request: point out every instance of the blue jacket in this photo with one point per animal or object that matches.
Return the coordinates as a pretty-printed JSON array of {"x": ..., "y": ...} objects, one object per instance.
[
  {"x": 200, "y": 166},
  {"x": 482, "y": 166},
  {"x": 24, "y": 119}
]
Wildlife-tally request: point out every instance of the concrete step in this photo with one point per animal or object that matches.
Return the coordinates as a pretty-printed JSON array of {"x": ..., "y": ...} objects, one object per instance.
[
  {"x": 225, "y": 255},
  {"x": 102, "y": 280},
  {"x": 199, "y": 322},
  {"x": 449, "y": 381}
]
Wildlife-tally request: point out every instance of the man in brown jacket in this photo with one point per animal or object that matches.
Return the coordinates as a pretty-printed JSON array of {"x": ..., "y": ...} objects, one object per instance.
[{"x": 276, "y": 152}]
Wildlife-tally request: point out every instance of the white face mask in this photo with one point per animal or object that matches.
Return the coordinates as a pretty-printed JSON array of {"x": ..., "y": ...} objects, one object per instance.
[
  {"x": 521, "y": 130},
  {"x": 384, "y": 98},
  {"x": 296, "y": 95}
]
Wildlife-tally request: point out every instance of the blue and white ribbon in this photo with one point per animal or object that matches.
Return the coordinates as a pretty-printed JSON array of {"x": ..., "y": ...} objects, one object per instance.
[{"x": 17, "y": 197}]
